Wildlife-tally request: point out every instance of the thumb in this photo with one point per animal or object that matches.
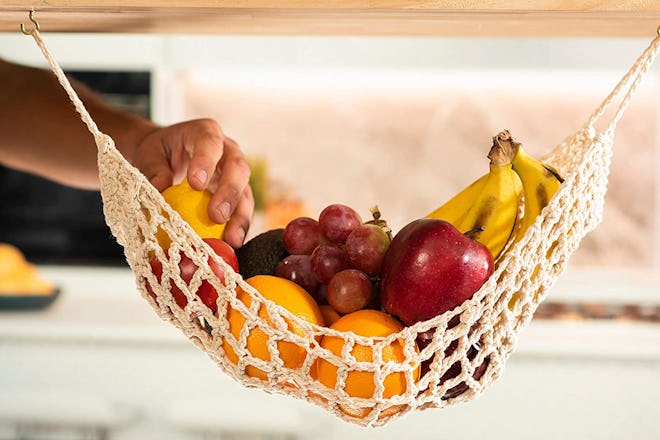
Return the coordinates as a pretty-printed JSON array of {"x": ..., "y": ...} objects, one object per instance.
[
  {"x": 152, "y": 160},
  {"x": 158, "y": 172},
  {"x": 161, "y": 179}
]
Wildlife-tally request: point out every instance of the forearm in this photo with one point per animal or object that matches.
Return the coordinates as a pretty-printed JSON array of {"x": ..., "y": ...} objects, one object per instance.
[{"x": 41, "y": 133}]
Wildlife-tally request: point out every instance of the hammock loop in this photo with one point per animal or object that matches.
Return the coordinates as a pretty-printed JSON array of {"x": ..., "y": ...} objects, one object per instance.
[
  {"x": 631, "y": 80},
  {"x": 99, "y": 136}
]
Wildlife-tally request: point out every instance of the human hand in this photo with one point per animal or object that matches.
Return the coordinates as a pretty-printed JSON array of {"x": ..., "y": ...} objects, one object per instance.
[{"x": 210, "y": 160}]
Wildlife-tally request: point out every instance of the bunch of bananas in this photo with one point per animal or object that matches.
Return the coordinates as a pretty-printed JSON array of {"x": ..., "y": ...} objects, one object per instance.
[{"x": 489, "y": 210}]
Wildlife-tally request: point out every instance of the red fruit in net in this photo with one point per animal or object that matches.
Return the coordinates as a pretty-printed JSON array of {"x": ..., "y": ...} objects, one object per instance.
[
  {"x": 327, "y": 260},
  {"x": 349, "y": 291},
  {"x": 338, "y": 221}
]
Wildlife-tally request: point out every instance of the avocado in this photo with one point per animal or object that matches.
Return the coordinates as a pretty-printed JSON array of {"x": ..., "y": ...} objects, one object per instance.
[{"x": 261, "y": 254}]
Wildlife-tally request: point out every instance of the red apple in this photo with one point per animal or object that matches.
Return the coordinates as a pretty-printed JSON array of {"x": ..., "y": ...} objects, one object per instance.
[
  {"x": 206, "y": 292},
  {"x": 430, "y": 268}
]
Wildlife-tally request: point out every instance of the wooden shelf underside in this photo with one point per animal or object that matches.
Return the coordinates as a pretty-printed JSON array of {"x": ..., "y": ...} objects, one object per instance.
[{"x": 461, "y": 19}]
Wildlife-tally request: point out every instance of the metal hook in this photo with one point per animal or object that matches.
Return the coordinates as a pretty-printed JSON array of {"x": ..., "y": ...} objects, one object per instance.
[{"x": 35, "y": 22}]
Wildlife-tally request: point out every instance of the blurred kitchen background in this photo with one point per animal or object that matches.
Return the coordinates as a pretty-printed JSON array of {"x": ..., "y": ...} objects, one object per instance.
[{"x": 399, "y": 122}]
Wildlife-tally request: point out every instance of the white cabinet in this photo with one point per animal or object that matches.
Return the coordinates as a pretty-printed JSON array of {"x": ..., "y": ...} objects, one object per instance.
[{"x": 100, "y": 364}]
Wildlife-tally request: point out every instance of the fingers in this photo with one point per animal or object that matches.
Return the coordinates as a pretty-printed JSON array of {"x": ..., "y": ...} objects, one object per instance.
[
  {"x": 218, "y": 164},
  {"x": 238, "y": 225},
  {"x": 160, "y": 177},
  {"x": 210, "y": 161},
  {"x": 233, "y": 176},
  {"x": 205, "y": 144}
]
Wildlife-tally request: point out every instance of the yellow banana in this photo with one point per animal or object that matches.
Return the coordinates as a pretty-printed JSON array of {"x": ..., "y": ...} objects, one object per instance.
[
  {"x": 455, "y": 209},
  {"x": 540, "y": 182},
  {"x": 487, "y": 210}
]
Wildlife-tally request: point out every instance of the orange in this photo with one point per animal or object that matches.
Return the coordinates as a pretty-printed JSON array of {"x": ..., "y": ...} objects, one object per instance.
[
  {"x": 369, "y": 323},
  {"x": 286, "y": 294},
  {"x": 192, "y": 206},
  {"x": 330, "y": 315}
]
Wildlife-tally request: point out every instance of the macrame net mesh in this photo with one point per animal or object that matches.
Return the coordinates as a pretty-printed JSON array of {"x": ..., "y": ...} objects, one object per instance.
[{"x": 468, "y": 347}]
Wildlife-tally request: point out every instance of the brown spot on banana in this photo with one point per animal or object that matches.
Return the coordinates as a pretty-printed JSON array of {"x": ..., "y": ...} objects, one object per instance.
[{"x": 542, "y": 196}]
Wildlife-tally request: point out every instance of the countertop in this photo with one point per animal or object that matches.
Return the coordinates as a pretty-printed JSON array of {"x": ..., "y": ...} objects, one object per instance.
[
  {"x": 100, "y": 360},
  {"x": 103, "y": 305}
]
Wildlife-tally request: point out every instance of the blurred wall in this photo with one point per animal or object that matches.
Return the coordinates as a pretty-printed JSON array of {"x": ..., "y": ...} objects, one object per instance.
[
  {"x": 408, "y": 140},
  {"x": 402, "y": 122}
]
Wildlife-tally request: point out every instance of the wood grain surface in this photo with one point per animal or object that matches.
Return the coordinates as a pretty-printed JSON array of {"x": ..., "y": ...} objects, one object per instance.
[{"x": 584, "y": 18}]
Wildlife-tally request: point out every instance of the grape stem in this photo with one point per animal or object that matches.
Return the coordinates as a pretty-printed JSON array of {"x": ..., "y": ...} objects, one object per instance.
[{"x": 375, "y": 213}]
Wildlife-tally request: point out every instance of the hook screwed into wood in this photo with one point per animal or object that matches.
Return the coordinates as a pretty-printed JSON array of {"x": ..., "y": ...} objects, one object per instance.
[{"x": 35, "y": 22}]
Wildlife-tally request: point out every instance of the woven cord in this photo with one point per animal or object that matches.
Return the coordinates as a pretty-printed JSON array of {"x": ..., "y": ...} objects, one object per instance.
[
  {"x": 110, "y": 160},
  {"x": 102, "y": 140},
  {"x": 566, "y": 155},
  {"x": 632, "y": 78}
]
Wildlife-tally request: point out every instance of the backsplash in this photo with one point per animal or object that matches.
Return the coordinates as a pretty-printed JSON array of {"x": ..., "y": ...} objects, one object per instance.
[{"x": 407, "y": 141}]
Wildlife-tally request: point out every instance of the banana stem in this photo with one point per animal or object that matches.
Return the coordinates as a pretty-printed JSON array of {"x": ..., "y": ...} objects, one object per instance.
[{"x": 503, "y": 150}]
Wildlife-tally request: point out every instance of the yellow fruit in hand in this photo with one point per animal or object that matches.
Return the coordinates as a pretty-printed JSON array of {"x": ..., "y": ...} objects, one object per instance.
[
  {"x": 286, "y": 294},
  {"x": 192, "y": 206},
  {"x": 369, "y": 323}
]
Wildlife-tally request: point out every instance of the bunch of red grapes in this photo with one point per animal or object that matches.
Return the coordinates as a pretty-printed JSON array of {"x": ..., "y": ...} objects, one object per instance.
[{"x": 337, "y": 258}]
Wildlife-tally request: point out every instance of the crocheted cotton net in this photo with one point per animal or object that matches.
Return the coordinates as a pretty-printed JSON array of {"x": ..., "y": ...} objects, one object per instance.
[{"x": 470, "y": 344}]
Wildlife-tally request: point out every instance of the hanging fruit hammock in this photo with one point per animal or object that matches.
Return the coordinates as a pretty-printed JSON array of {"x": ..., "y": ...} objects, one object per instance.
[{"x": 366, "y": 380}]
